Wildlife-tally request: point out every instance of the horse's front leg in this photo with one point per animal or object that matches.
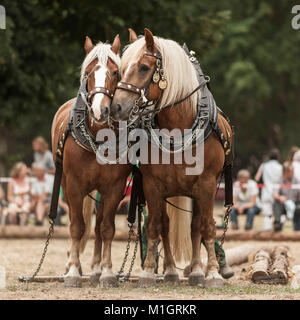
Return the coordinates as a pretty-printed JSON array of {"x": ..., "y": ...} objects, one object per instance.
[
  {"x": 96, "y": 262},
  {"x": 170, "y": 272},
  {"x": 77, "y": 227},
  {"x": 110, "y": 204},
  {"x": 195, "y": 274},
  {"x": 153, "y": 230},
  {"x": 208, "y": 231}
]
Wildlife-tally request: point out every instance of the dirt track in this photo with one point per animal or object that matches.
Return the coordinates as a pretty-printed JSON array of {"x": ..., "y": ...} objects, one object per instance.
[{"x": 20, "y": 257}]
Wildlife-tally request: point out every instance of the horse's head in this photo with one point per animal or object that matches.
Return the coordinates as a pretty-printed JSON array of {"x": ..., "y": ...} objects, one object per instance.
[
  {"x": 101, "y": 71},
  {"x": 142, "y": 76}
]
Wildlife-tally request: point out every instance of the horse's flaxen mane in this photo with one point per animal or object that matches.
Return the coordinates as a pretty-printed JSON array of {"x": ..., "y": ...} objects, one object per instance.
[
  {"x": 102, "y": 51},
  {"x": 179, "y": 71}
]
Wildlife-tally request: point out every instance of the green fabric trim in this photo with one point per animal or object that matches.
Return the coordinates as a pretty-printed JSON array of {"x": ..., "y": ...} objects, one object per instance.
[{"x": 222, "y": 261}]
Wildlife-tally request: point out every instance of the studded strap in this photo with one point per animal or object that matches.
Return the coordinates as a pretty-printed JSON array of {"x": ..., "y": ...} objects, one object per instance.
[
  {"x": 99, "y": 90},
  {"x": 129, "y": 87}
]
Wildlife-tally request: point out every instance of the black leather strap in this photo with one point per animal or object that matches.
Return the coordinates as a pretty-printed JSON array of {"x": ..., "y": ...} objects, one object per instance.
[
  {"x": 58, "y": 172},
  {"x": 79, "y": 116}
]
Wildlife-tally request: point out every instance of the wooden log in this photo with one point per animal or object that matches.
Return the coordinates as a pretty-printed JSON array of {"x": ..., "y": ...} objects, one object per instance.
[
  {"x": 85, "y": 278},
  {"x": 34, "y": 232},
  {"x": 258, "y": 270},
  {"x": 237, "y": 235},
  {"x": 280, "y": 264},
  {"x": 239, "y": 255},
  {"x": 270, "y": 265},
  {"x": 295, "y": 275},
  {"x": 234, "y": 256}
]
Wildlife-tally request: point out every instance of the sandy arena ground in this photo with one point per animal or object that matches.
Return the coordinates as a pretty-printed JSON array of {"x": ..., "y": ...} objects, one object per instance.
[{"x": 20, "y": 257}]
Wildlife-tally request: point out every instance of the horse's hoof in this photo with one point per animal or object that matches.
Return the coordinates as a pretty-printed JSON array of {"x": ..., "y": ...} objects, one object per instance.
[
  {"x": 109, "y": 282},
  {"x": 72, "y": 282},
  {"x": 171, "y": 278},
  {"x": 94, "y": 279},
  {"x": 196, "y": 279},
  {"x": 187, "y": 270},
  {"x": 214, "y": 283},
  {"x": 146, "y": 282}
]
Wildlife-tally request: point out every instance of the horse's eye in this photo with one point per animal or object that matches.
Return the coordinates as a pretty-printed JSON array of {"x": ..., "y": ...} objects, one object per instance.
[
  {"x": 143, "y": 68},
  {"x": 115, "y": 73}
]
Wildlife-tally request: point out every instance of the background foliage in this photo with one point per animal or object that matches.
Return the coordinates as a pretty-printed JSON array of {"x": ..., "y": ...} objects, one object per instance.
[{"x": 248, "y": 48}]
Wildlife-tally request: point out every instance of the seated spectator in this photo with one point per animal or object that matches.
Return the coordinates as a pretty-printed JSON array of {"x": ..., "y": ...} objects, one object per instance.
[
  {"x": 286, "y": 199},
  {"x": 42, "y": 154},
  {"x": 244, "y": 199},
  {"x": 41, "y": 190},
  {"x": 270, "y": 172},
  {"x": 296, "y": 165},
  {"x": 18, "y": 194}
]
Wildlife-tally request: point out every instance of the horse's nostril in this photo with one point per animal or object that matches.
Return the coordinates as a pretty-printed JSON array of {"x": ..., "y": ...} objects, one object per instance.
[
  {"x": 105, "y": 111},
  {"x": 119, "y": 108}
]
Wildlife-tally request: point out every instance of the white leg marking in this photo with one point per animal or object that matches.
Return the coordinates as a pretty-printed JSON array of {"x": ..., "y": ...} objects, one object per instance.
[
  {"x": 96, "y": 269},
  {"x": 73, "y": 272}
]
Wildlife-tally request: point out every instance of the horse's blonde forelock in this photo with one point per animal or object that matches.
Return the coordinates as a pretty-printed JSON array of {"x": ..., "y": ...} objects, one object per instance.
[
  {"x": 102, "y": 51},
  {"x": 179, "y": 71}
]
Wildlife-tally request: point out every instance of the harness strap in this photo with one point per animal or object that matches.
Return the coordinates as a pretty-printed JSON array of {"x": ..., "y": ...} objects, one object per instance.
[
  {"x": 58, "y": 173},
  {"x": 137, "y": 201},
  {"x": 137, "y": 194},
  {"x": 99, "y": 90},
  {"x": 129, "y": 87}
]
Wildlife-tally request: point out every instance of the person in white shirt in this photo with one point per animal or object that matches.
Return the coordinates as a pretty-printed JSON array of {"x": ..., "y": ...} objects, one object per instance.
[
  {"x": 271, "y": 173},
  {"x": 245, "y": 193},
  {"x": 296, "y": 165},
  {"x": 41, "y": 189}
]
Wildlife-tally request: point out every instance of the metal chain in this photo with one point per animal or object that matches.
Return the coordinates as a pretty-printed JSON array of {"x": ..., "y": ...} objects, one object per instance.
[
  {"x": 194, "y": 136},
  {"x": 120, "y": 275},
  {"x": 50, "y": 233},
  {"x": 226, "y": 220},
  {"x": 95, "y": 150},
  {"x": 133, "y": 257}
]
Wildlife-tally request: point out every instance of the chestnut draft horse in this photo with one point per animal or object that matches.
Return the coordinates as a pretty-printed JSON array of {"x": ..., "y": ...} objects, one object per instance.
[
  {"x": 142, "y": 79},
  {"x": 82, "y": 173}
]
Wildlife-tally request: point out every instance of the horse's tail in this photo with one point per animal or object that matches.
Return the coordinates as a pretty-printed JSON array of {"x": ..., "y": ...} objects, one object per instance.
[
  {"x": 180, "y": 228},
  {"x": 87, "y": 208}
]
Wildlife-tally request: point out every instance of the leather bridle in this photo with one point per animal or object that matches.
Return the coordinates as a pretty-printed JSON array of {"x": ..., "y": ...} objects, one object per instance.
[
  {"x": 156, "y": 77},
  {"x": 87, "y": 96},
  {"x": 143, "y": 93},
  {"x": 95, "y": 90}
]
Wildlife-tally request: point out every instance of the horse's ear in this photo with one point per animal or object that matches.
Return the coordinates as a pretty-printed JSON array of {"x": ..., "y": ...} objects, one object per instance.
[
  {"x": 132, "y": 35},
  {"x": 149, "y": 40},
  {"x": 88, "y": 45},
  {"x": 115, "y": 47}
]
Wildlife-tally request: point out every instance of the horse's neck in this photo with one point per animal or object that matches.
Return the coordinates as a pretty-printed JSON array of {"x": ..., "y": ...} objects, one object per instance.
[{"x": 180, "y": 116}]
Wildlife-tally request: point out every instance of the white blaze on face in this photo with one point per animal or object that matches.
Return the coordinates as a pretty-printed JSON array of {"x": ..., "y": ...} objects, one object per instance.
[
  {"x": 100, "y": 76},
  {"x": 127, "y": 70}
]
